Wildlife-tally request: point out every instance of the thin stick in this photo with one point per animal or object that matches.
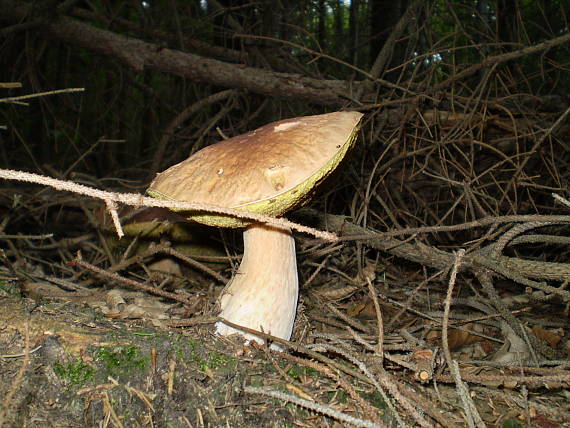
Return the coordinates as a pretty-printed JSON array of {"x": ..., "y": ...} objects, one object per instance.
[
  {"x": 380, "y": 381},
  {"x": 485, "y": 221},
  {"x": 7, "y": 401},
  {"x": 471, "y": 413},
  {"x": 41, "y": 94},
  {"x": 379, "y": 348},
  {"x": 136, "y": 199},
  {"x": 171, "y": 251},
  {"x": 371, "y": 411},
  {"x": 111, "y": 275},
  {"x": 320, "y": 408}
]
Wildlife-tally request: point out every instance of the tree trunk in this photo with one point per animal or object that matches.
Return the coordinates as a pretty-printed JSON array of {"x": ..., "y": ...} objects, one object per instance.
[
  {"x": 354, "y": 30},
  {"x": 507, "y": 11},
  {"x": 322, "y": 24},
  {"x": 339, "y": 25},
  {"x": 384, "y": 15}
]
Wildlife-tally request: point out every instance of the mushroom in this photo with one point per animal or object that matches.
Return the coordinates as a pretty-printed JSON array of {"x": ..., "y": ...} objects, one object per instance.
[{"x": 270, "y": 170}]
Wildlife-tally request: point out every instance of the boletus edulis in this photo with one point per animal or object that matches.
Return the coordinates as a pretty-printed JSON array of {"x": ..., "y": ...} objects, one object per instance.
[{"x": 270, "y": 170}]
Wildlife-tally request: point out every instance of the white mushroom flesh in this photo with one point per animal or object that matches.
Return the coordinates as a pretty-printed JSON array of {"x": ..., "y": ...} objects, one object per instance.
[{"x": 263, "y": 293}]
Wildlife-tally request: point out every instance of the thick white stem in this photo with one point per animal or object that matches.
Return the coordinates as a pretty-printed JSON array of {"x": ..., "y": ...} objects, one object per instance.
[{"x": 263, "y": 293}]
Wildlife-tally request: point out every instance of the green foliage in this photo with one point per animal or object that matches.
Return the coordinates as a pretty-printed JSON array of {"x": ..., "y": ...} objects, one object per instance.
[{"x": 75, "y": 373}]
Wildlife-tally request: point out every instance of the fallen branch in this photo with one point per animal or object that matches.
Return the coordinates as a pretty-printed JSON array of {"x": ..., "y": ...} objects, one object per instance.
[
  {"x": 140, "y": 55},
  {"x": 517, "y": 269}
]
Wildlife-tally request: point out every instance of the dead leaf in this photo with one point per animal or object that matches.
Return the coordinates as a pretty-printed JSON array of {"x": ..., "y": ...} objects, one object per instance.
[
  {"x": 459, "y": 338},
  {"x": 455, "y": 338},
  {"x": 167, "y": 266},
  {"x": 552, "y": 337},
  {"x": 543, "y": 422}
]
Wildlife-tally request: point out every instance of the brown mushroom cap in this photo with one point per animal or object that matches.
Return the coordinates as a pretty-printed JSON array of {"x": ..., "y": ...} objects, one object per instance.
[{"x": 269, "y": 170}]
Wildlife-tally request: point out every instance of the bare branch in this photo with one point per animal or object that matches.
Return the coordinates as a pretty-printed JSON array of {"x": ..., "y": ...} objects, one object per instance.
[
  {"x": 136, "y": 199},
  {"x": 139, "y": 55}
]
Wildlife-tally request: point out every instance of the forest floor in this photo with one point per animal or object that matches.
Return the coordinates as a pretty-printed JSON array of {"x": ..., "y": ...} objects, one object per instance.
[
  {"x": 82, "y": 369},
  {"x": 78, "y": 349},
  {"x": 65, "y": 364}
]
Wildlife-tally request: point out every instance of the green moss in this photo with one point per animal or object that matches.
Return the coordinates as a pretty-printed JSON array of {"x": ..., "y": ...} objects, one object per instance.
[
  {"x": 511, "y": 423},
  {"x": 214, "y": 361},
  {"x": 340, "y": 396},
  {"x": 297, "y": 372},
  {"x": 376, "y": 400},
  {"x": 217, "y": 359},
  {"x": 312, "y": 372},
  {"x": 120, "y": 360},
  {"x": 294, "y": 372},
  {"x": 256, "y": 381},
  {"x": 10, "y": 288},
  {"x": 193, "y": 353},
  {"x": 75, "y": 373},
  {"x": 145, "y": 334}
]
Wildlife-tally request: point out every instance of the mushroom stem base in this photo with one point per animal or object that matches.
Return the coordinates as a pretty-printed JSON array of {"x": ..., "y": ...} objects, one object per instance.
[{"x": 262, "y": 295}]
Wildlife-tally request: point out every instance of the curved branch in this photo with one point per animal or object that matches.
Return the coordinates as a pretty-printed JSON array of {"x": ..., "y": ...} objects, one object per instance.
[{"x": 139, "y": 55}]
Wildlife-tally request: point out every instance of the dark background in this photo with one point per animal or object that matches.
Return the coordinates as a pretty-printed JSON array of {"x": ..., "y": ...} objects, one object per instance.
[
  {"x": 241, "y": 64},
  {"x": 465, "y": 140},
  {"x": 465, "y": 101}
]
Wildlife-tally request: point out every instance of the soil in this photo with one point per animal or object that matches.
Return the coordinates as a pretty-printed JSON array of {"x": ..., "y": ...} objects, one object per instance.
[{"x": 85, "y": 370}]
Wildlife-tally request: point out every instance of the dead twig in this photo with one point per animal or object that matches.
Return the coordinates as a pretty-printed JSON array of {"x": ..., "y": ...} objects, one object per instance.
[
  {"x": 471, "y": 412},
  {"x": 317, "y": 407},
  {"x": 136, "y": 199},
  {"x": 7, "y": 401},
  {"x": 78, "y": 261}
]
